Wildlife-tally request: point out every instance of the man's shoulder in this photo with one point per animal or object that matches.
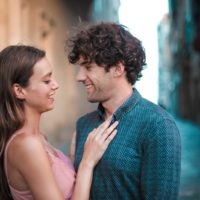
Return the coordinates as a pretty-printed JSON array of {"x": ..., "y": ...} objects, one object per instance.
[
  {"x": 158, "y": 122},
  {"x": 153, "y": 110}
]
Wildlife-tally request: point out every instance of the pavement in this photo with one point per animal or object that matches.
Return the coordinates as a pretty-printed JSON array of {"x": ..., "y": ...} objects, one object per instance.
[{"x": 190, "y": 166}]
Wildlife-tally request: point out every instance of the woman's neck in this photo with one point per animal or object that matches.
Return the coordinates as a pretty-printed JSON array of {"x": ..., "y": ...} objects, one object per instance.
[{"x": 32, "y": 121}]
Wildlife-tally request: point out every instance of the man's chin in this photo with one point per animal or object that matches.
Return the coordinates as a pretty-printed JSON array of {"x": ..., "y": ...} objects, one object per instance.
[{"x": 92, "y": 100}]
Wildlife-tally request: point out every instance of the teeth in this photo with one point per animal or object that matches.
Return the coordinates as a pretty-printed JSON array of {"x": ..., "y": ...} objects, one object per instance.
[{"x": 88, "y": 86}]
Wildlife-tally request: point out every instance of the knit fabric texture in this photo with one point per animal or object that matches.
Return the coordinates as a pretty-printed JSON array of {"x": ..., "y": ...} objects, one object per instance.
[{"x": 144, "y": 159}]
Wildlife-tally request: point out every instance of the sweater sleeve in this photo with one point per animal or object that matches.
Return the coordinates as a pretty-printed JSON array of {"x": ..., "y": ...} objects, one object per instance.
[{"x": 160, "y": 176}]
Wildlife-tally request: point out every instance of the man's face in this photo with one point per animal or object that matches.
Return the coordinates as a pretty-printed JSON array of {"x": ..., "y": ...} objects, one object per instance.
[{"x": 97, "y": 81}]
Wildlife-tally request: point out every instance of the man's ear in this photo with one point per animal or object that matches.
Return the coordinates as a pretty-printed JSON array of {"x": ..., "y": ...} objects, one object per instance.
[
  {"x": 118, "y": 69},
  {"x": 18, "y": 91}
]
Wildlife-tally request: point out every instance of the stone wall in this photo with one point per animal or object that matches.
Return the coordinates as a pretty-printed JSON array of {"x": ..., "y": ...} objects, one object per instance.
[
  {"x": 46, "y": 24},
  {"x": 42, "y": 23}
]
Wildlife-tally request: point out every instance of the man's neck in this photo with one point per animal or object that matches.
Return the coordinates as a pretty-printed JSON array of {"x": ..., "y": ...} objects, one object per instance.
[{"x": 118, "y": 99}]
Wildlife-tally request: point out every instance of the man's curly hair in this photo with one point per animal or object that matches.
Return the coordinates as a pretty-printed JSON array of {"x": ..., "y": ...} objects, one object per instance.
[{"x": 107, "y": 44}]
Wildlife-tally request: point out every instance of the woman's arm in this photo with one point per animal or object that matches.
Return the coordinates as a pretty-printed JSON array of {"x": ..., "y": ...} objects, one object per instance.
[{"x": 95, "y": 146}]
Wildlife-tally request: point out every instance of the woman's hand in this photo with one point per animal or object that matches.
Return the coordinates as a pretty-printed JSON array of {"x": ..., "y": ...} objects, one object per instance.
[
  {"x": 97, "y": 142},
  {"x": 95, "y": 146}
]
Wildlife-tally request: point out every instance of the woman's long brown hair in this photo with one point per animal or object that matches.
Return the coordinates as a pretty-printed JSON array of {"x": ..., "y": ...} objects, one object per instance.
[{"x": 16, "y": 66}]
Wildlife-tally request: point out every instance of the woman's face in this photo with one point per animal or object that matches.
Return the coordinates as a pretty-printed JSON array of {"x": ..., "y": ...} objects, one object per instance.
[{"x": 39, "y": 94}]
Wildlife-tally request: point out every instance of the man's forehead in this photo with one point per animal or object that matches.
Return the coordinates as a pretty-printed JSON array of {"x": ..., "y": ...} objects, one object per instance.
[{"x": 82, "y": 61}]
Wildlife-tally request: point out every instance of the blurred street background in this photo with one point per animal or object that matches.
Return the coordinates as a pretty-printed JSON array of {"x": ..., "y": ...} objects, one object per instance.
[{"x": 170, "y": 33}]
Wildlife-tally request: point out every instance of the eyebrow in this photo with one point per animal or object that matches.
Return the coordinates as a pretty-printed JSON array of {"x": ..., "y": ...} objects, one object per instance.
[
  {"x": 48, "y": 74},
  {"x": 84, "y": 62}
]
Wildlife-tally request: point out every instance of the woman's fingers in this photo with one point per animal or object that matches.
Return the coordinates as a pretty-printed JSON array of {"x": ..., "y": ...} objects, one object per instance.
[
  {"x": 109, "y": 130},
  {"x": 103, "y": 132},
  {"x": 103, "y": 126},
  {"x": 110, "y": 138},
  {"x": 98, "y": 141}
]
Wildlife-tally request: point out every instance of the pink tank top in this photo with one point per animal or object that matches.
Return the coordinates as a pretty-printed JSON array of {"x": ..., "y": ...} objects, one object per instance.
[{"x": 62, "y": 169}]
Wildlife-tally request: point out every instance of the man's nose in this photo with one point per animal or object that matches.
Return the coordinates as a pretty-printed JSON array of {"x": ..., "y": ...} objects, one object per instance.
[{"x": 81, "y": 75}]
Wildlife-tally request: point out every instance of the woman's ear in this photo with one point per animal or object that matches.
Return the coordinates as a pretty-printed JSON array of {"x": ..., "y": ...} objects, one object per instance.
[{"x": 18, "y": 91}]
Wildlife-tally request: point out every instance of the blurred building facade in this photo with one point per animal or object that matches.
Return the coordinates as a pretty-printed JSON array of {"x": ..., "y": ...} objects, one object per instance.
[
  {"x": 179, "y": 60},
  {"x": 46, "y": 24},
  {"x": 41, "y": 23}
]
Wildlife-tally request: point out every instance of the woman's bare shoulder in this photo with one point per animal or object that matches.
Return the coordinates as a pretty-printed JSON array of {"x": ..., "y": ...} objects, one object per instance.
[{"x": 22, "y": 146}]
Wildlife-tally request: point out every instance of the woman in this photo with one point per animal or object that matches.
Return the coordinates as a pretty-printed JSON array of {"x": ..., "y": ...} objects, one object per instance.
[{"x": 30, "y": 167}]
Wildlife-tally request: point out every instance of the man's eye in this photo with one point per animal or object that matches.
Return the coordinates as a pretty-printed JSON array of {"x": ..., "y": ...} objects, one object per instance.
[{"x": 88, "y": 67}]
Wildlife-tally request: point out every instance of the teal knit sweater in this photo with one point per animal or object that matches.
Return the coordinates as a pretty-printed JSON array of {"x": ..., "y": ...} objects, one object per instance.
[{"x": 143, "y": 161}]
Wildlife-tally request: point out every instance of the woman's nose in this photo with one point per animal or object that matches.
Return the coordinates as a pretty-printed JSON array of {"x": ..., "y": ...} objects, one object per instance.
[{"x": 55, "y": 85}]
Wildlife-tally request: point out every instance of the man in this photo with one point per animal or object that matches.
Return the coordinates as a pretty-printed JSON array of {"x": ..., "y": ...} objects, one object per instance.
[{"x": 143, "y": 161}]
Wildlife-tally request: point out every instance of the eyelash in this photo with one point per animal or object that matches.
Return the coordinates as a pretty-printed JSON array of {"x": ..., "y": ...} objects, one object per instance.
[
  {"x": 88, "y": 67},
  {"x": 47, "y": 82}
]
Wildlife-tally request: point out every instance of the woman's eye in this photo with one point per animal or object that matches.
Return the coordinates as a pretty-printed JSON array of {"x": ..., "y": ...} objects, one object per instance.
[{"x": 47, "y": 81}]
